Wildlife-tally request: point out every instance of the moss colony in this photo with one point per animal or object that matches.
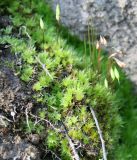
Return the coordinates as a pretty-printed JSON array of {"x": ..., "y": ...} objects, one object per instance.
[{"x": 63, "y": 86}]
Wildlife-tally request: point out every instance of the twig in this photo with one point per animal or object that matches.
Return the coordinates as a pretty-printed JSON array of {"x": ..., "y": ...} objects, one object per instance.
[
  {"x": 72, "y": 146},
  {"x": 42, "y": 119},
  {"x": 3, "y": 117},
  {"x": 44, "y": 67},
  {"x": 79, "y": 146},
  {"x": 4, "y": 123},
  {"x": 100, "y": 134},
  {"x": 27, "y": 119}
]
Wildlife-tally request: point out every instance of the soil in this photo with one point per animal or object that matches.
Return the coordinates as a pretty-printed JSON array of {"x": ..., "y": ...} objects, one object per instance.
[
  {"x": 13, "y": 102},
  {"x": 14, "y": 99},
  {"x": 5, "y": 21}
]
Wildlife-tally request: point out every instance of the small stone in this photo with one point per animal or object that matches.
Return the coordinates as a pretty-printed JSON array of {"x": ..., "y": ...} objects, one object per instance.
[{"x": 34, "y": 138}]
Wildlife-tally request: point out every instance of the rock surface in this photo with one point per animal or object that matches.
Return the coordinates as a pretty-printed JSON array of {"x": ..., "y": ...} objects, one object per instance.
[
  {"x": 116, "y": 20},
  {"x": 13, "y": 147},
  {"x": 13, "y": 101}
]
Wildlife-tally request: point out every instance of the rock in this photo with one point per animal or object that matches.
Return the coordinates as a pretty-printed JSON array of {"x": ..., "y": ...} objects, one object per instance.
[
  {"x": 13, "y": 101},
  {"x": 116, "y": 20},
  {"x": 34, "y": 138},
  {"x": 13, "y": 147}
]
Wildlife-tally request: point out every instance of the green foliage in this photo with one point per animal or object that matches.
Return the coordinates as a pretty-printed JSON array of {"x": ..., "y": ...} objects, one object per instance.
[
  {"x": 4, "y": 5},
  {"x": 37, "y": 86},
  {"x": 58, "y": 12},
  {"x": 52, "y": 139},
  {"x": 7, "y": 30},
  {"x": 31, "y": 127},
  {"x": 112, "y": 74},
  {"x": 41, "y": 24},
  {"x": 27, "y": 55},
  {"x": 27, "y": 73},
  {"x": 106, "y": 83},
  {"x": 75, "y": 86},
  {"x": 127, "y": 148},
  {"x": 65, "y": 150},
  {"x": 116, "y": 73}
]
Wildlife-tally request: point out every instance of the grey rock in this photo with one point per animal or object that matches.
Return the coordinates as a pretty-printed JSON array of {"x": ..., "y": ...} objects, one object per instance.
[
  {"x": 13, "y": 147},
  {"x": 116, "y": 20}
]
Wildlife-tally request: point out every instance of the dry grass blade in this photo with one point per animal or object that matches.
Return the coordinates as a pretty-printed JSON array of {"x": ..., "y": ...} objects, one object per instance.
[
  {"x": 71, "y": 144},
  {"x": 44, "y": 67},
  {"x": 100, "y": 134},
  {"x": 119, "y": 63}
]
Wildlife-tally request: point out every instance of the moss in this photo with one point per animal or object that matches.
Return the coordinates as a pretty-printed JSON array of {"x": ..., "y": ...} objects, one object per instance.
[
  {"x": 62, "y": 83},
  {"x": 126, "y": 148}
]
